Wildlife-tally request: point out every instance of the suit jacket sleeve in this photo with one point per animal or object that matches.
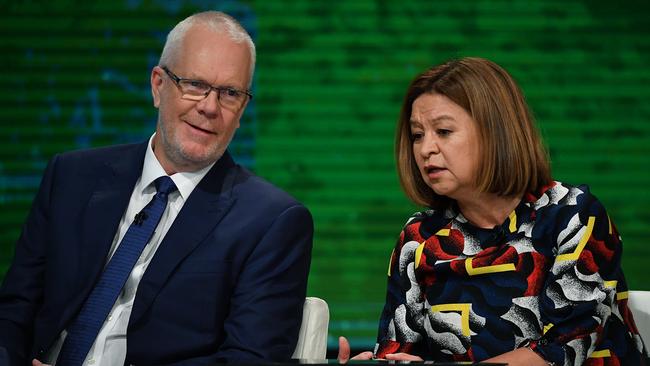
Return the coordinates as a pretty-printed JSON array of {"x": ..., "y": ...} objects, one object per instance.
[
  {"x": 266, "y": 304},
  {"x": 22, "y": 290}
]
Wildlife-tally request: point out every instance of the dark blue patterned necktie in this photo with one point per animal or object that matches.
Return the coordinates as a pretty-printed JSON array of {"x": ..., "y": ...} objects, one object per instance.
[{"x": 85, "y": 327}]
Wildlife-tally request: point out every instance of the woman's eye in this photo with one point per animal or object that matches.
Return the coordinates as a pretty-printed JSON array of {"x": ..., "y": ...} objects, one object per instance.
[
  {"x": 443, "y": 132},
  {"x": 416, "y": 135}
]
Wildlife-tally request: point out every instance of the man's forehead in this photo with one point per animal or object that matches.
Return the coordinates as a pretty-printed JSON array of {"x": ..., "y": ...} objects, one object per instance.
[{"x": 210, "y": 55}]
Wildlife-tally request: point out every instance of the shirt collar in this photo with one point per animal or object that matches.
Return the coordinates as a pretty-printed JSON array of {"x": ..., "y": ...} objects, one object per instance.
[{"x": 152, "y": 170}]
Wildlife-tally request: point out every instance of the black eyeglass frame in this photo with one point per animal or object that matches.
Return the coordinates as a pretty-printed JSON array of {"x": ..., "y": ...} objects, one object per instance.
[{"x": 177, "y": 80}]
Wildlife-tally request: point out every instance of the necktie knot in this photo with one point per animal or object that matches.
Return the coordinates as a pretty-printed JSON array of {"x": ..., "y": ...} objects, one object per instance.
[{"x": 165, "y": 185}]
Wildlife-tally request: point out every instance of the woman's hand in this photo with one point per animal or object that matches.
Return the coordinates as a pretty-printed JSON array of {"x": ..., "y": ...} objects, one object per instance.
[
  {"x": 36, "y": 362},
  {"x": 403, "y": 357},
  {"x": 344, "y": 352},
  {"x": 520, "y": 356}
]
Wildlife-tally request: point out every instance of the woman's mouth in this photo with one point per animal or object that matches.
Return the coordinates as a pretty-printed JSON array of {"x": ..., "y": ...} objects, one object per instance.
[{"x": 434, "y": 172}]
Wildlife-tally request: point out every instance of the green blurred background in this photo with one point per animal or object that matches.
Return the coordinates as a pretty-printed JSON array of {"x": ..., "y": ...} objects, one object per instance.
[{"x": 329, "y": 82}]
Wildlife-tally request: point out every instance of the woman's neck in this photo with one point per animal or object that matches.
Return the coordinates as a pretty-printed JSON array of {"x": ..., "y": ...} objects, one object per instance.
[{"x": 487, "y": 210}]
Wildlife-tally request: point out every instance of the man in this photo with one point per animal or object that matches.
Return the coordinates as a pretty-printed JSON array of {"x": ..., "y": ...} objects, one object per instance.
[{"x": 223, "y": 276}]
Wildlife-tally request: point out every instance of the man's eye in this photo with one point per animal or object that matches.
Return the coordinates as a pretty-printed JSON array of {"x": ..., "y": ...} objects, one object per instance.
[
  {"x": 197, "y": 84},
  {"x": 230, "y": 92},
  {"x": 194, "y": 86}
]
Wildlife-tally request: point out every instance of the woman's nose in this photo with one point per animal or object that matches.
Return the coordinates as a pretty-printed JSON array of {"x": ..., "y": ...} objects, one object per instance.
[{"x": 429, "y": 147}]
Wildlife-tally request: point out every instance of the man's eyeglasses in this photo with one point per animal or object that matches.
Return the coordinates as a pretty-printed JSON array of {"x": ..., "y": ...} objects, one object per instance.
[{"x": 197, "y": 90}]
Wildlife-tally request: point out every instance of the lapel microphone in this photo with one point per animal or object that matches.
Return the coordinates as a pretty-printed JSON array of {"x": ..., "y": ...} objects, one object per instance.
[{"x": 139, "y": 218}]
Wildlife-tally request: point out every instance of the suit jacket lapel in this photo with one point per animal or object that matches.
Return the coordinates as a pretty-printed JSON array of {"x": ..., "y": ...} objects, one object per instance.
[
  {"x": 105, "y": 208},
  {"x": 205, "y": 207}
]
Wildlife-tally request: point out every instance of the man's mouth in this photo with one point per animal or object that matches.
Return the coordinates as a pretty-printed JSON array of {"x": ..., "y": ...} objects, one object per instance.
[{"x": 199, "y": 128}]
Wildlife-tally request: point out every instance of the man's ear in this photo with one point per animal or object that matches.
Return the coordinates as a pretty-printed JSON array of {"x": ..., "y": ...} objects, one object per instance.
[
  {"x": 156, "y": 84},
  {"x": 241, "y": 112}
]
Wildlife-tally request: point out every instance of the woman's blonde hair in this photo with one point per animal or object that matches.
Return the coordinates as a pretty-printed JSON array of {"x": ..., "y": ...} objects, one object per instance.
[{"x": 514, "y": 159}]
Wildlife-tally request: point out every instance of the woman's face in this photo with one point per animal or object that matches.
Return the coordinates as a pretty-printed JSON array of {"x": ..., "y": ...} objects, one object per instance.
[{"x": 445, "y": 145}]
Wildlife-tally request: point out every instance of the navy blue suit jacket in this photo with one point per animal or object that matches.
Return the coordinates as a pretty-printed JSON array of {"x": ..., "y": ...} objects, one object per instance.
[{"x": 227, "y": 282}]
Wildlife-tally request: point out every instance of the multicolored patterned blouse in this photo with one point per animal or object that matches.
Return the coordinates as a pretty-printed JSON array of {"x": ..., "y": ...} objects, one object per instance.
[{"x": 548, "y": 278}]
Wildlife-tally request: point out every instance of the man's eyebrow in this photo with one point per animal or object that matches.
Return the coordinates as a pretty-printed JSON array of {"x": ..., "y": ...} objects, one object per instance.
[{"x": 226, "y": 85}]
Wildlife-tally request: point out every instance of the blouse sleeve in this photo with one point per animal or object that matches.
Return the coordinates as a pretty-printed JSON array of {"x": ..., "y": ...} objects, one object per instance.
[
  {"x": 401, "y": 322},
  {"x": 580, "y": 291}
]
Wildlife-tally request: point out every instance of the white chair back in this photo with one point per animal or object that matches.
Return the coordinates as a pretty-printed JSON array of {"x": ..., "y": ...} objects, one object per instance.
[
  {"x": 312, "y": 339},
  {"x": 639, "y": 303}
]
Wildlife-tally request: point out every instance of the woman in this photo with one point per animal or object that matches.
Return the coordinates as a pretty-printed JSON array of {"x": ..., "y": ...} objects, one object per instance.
[{"x": 506, "y": 265}]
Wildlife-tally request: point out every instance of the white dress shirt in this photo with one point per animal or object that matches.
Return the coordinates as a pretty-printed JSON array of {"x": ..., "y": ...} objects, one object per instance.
[{"x": 110, "y": 345}]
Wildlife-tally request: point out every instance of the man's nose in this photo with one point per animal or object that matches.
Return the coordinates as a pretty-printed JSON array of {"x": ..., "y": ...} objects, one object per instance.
[{"x": 210, "y": 105}]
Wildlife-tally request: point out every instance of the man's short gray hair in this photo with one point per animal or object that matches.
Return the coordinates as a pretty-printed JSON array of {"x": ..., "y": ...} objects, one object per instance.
[{"x": 216, "y": 20}]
